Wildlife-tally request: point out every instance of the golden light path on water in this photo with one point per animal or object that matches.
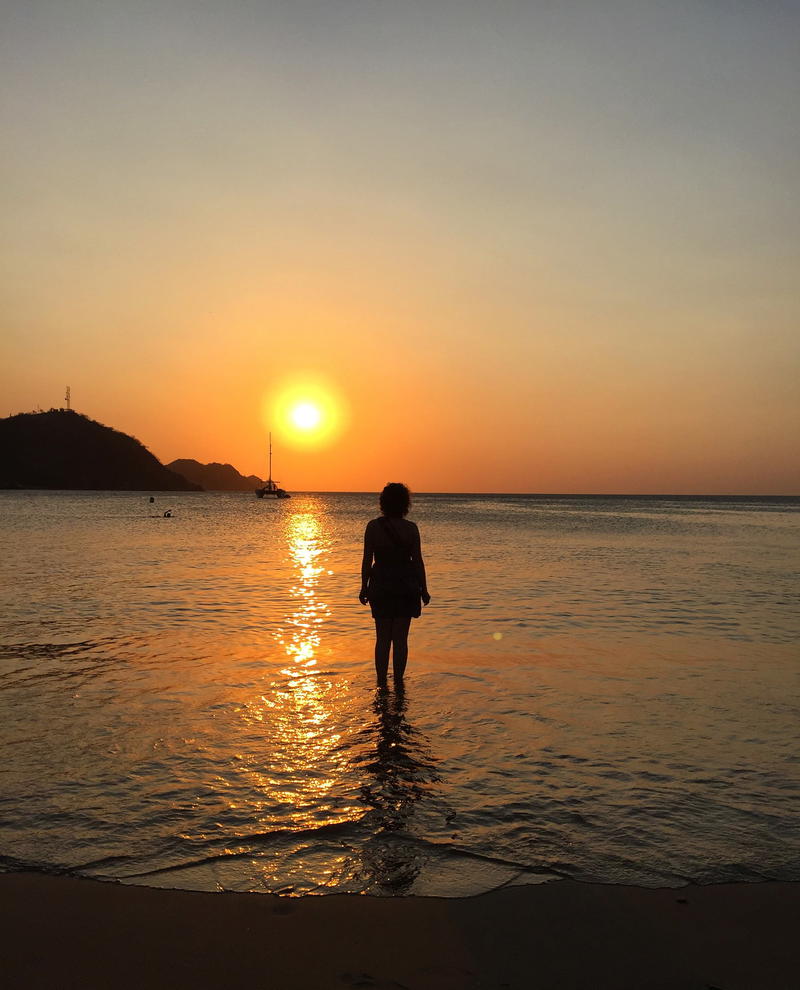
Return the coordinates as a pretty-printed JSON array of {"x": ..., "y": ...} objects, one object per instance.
[{"x": 300, "y": 714}]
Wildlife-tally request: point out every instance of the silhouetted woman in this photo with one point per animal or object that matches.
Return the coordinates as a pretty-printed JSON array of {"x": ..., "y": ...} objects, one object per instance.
[{"x": 395, "y": 583}]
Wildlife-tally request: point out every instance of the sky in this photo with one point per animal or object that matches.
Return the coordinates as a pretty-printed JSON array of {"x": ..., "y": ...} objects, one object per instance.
[{"x": 542, "y": 246}]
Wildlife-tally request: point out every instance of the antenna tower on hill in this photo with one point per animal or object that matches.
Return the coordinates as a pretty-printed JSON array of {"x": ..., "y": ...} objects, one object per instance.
[{"x": 66, "y": 397}]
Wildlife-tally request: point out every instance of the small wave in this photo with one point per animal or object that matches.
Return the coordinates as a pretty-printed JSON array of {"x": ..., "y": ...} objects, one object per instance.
[{"x": 291, "y": 861}]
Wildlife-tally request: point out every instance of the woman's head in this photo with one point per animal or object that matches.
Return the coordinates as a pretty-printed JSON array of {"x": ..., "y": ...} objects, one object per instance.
[{"x": 395, "y": 499}]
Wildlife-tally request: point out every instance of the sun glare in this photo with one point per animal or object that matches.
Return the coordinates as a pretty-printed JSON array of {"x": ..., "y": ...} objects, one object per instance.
[
  {"x": 305, "y": 415},
  {"x": 306, "y": 412}
]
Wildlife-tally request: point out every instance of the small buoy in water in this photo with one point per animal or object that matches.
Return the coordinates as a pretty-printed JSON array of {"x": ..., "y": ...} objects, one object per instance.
[{"x": 168, "y": 514}]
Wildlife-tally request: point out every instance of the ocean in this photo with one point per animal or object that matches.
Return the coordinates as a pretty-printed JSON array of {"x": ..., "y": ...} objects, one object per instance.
[{"x": 603, "y": 688}]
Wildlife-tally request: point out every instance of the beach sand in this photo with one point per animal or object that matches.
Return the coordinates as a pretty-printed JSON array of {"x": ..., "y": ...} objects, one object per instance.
[{"x": 68, "y": 932}]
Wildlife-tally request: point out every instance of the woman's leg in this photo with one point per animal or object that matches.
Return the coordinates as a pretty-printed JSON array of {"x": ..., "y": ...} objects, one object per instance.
[
  {"x": 400, "y": 627},
  {"x": 383, "y": 643}
]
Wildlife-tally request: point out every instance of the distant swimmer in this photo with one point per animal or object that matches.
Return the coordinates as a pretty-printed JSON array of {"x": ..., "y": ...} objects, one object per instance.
[
  {"x": 394, "y": 585},
  {"x": 152, "y": 499}
]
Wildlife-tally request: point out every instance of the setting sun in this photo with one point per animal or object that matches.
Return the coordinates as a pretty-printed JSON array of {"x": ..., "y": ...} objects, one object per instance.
[
  {"x": 305, "y": 415},
  {"x": 306, "y": 412}
]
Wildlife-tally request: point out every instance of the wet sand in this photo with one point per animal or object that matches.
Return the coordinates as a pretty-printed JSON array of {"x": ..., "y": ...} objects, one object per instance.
[{"x": 68, "y": 932}]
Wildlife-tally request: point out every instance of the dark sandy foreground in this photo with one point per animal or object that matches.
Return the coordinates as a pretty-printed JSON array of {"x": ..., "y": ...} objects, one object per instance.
[{"x": 59, "y": 932}]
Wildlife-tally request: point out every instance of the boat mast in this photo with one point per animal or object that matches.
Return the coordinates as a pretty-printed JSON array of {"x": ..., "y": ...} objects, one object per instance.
[{"x": 269, "y": 483}]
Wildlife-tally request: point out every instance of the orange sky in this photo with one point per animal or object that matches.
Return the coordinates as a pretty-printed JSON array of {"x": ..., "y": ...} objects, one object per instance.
[{"x": 525, "y": 249}]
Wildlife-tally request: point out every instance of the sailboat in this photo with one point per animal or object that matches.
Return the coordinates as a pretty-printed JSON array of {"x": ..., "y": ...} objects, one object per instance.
[{"x": 271, "y": 488}]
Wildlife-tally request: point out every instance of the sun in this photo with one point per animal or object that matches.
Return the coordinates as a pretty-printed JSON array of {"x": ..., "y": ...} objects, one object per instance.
[
  {"x": 305, "y": 412},
  {"x": 305, "y": 415}
]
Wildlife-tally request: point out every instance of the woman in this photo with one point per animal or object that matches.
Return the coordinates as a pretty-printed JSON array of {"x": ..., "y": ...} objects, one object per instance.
[{"x": 395, "y": 583}]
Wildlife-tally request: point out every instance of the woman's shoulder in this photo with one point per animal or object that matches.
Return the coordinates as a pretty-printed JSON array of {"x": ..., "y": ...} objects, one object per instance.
[{"x": 409, "y": 528}]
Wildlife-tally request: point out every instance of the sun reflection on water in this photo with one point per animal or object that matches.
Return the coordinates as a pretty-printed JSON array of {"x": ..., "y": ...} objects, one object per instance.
[
  {"x": 301, "y": 638},
  {"x": 298, "y": 771}
]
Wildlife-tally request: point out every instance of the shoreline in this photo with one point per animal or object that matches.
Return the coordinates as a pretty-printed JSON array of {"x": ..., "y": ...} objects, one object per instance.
[{"x": 62, "y": 931}]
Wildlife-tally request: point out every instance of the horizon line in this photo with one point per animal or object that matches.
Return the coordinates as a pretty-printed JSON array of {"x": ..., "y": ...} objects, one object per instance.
[
  {"x": 374, "y": 492},
  {"x": 414, "y": 493}
]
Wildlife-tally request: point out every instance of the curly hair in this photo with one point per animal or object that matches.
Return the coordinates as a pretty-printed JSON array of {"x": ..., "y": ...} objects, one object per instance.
[{"x": 395, "y": 499}]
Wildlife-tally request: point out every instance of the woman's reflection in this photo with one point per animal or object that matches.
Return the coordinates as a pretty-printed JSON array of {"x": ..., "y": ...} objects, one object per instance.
[{"x": 403, "y": 772}]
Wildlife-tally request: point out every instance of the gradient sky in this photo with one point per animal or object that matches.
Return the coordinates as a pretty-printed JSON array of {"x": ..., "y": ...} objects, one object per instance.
[{"x": 530, "y": 246}]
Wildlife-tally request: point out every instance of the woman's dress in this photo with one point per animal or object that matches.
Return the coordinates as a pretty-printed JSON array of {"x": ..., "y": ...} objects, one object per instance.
[{"x": 394, "y": 590}]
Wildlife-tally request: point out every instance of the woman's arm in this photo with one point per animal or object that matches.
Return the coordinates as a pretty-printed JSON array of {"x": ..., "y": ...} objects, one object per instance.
[
  {"x": 366, "y": 565},
  {"x": 416, "y": 556}
]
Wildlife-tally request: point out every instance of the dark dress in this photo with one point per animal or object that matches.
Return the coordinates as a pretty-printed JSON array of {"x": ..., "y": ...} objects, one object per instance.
[{"x": 394, "y": 590}]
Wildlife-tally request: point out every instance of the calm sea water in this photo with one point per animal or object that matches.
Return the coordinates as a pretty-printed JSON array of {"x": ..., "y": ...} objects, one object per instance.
[{"x": 603, "y": 689}]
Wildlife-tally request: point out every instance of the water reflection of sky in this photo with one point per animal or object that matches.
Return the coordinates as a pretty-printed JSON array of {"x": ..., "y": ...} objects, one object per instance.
[{"x": 208, "y": 693}]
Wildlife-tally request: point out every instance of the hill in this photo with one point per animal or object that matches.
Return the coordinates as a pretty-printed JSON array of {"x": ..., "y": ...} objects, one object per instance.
[
  {"x": 215, "y": 477},
  {"x": 65, "y": 450}
]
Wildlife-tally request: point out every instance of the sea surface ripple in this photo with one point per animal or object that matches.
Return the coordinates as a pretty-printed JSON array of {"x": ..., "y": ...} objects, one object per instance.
[{"x": 603, "y": 688}]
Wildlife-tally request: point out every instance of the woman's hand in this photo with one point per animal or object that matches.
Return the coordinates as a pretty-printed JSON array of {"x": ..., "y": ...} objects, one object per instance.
[
  {"x": 426, "y": 598},
  {"x": 362, "y": 596}
]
